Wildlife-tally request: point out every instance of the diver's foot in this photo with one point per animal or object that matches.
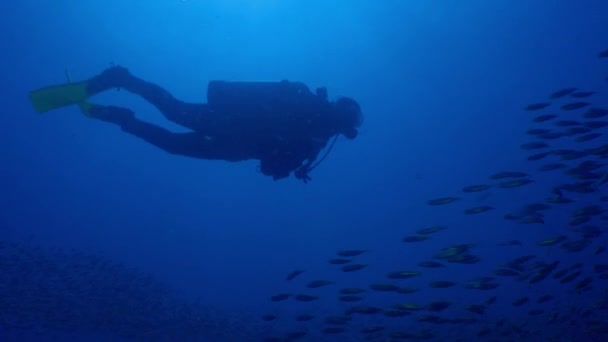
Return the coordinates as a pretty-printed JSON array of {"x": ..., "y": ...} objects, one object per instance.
[
  {"x": 118, "y": 115},
  {"x": 116, "y": 73},
  {"x": 113, "y": 77}
]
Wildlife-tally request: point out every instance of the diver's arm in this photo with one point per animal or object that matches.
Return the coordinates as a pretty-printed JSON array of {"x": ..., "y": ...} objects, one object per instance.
[{"x": 302, "y": 172}]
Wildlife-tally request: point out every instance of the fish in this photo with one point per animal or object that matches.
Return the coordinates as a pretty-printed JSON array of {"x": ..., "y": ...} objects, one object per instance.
[
  {"x": 538, "y": 156},
  {"x": 430, "y": 264},
  {"x": 331, "y": 331},
  {"x": 442, "y": 200},
  {"x": 560, "y": 199},
  {"x": 508, "y": 174},
  {"x": 588, "y": 165},
  {"x": 551, "y": 135},
  {"x": 574, "y": 155},
  {"x": 595, "y": 112},
  {"x": 384, "y": 287},
  {"x": 415, "y": 238},
  {"x": 506, "y": 272},
  {"x": 396, "y": 313},
  {"x": 476, "y": 308},
  {"x": 574, "y": 105},
  {"x": 562, "y": 92},
  {"x": 339, "y": 261},
  {"x": 537, "y": 131},
  {"x": 295, "y": 335},
  {"x": 476, "y": 188},
  {"x": 478, "y": 210},
  {"x": 544, "y": 117},
  {"x": 484, "y": 332},
  {"x": 437, "y": 306},
  {"x": 484, "y": 286},
  {"x": 535, "y": 207},
  {"x": 587, "y": 137},
  {"x": 552, "y": 167},
  {"x": 304, "y": 317},
  {"x": 552, "y": 241},
  {"x": 589, "y": 125},
  {"x": 350, "y": 298},
  {"x": 534, "y": 145},
  {"x": 441, "y": 284},
  {"x": 599, "y": 250},
  {"x": 537, "y": 106},
  {"x": 583, "y": 285},
  {"x": 563, "y": 152},
  {"x": 590, "y": 210},
  {"x": 337, "y": 320},
  {"x": 406, "y": 290},
  {"x": 372, "y": 329},
  {"x": 491, "y": 300},
  {"x": 351, "y": 252},
  {"x": 570, "y": 277},
  {"x": 603, "y": 54},
  {"x": 600, "y": 268},
  {"x": 431, "y": 319},
  {"x": 280, "y": 297},
  {"x": 294, "y": 274},
  {"x": 588, "y": 231},
  {"x": 582, "y": 94},
  {"x": 464, "y": 259},
  {"x": 520, "y": 301},
  {"x": 400, "y": 335},
  {"x": 352, "y": 290},
  {"x": 319, "y": 283},
  {"x": 363, "y": 309},
  {"x": 578, "y": 129},
  {"x": 408, "y": 307},
  {"x": 567, "y": 123},
  {"x": 602, "y": 150},
  {"x": 579, "y": 220},
  {"x": 544, "y": 298},
  {"x": 305, "y": 298},
  {"x": 560, "y": 273},
  {"x": 269, "y": 317},
  {"x": 452, "y": 251},
  {"x": 581, "y": 187},
  {"x": 535, "y": 312},
  {"x": 531, "y": 219},
  {"x": 517, "y": 262},
  {"x": 403, "y": 274},
  {"x": 431, "y": 230},
  {"x": 353, "y": 267},
  {"x": 510, "y": 243},
  {"x": 515, "y": 183}
]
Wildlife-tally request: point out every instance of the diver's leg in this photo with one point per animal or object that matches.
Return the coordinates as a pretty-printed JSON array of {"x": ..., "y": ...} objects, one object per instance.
[
  {"x": 190, "y": 115},
  {"x": 187, "y": 144}
]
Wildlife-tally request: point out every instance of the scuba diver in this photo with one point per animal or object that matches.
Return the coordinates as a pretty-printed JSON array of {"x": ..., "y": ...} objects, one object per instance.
[{"x": 281, "y": 124}]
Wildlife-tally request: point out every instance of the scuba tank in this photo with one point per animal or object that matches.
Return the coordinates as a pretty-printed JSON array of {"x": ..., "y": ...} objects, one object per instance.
[{"x": 258, "y": 97}]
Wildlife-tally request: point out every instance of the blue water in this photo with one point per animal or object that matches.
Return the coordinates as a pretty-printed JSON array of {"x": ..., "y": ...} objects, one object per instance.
[{"x": 442, "y": 85}]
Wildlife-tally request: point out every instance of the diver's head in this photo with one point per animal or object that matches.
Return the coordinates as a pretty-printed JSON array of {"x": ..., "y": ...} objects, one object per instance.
[{"x": 348, "y": 117}]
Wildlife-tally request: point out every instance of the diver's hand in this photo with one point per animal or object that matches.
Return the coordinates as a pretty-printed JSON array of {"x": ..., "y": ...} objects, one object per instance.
[{"x": 302, "y": 174}]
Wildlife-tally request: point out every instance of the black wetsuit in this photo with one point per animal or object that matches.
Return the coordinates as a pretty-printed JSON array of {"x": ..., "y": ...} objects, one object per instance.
[{"x": 282, "y": 124}]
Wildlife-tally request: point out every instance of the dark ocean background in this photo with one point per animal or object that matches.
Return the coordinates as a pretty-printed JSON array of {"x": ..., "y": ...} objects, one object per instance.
[{"x": 106, "y": 238}]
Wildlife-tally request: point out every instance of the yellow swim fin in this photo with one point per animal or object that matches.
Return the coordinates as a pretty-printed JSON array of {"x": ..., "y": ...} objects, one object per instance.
[
  {"x": 85, "y": 107},
  {"x": 54, "y": 97}
]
